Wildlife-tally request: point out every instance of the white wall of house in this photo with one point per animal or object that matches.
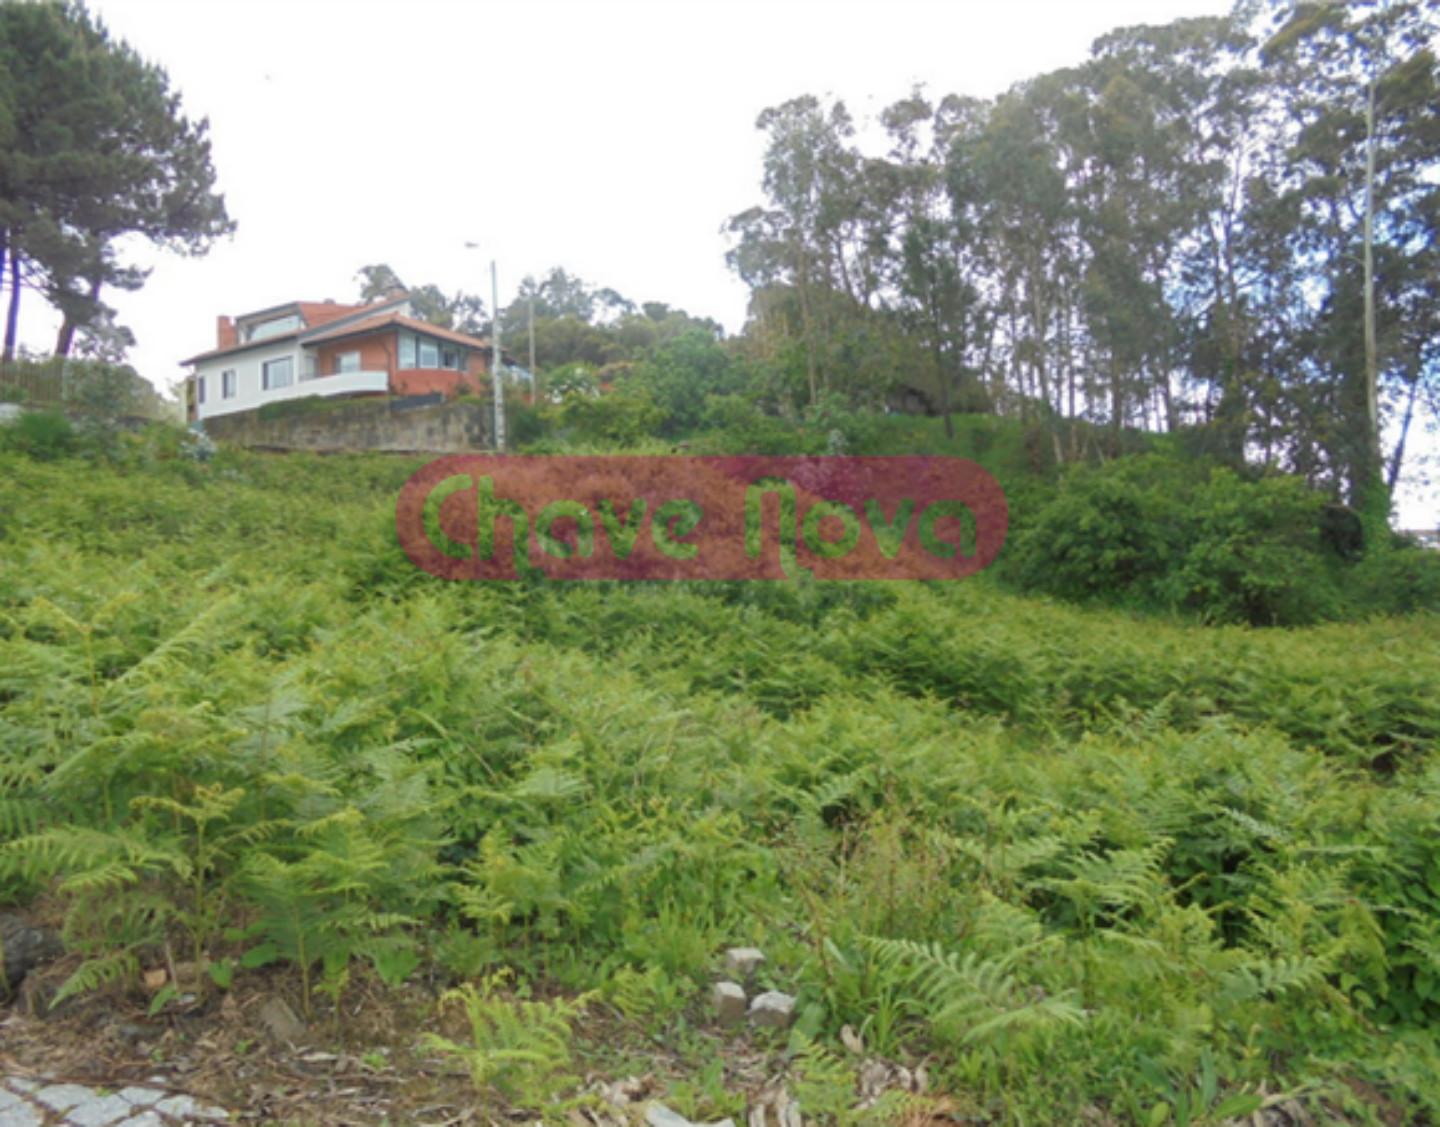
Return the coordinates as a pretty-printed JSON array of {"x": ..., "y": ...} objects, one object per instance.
[
  {"x": 249, "y": 394},
  {"x": 247, "y": 366}
]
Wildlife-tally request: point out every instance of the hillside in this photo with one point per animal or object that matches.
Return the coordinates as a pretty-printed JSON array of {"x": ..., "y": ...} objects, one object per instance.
[{"x": 1080, "y": 865}]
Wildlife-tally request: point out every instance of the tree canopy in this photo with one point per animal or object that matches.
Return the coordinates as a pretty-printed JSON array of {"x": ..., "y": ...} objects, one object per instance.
[
  {"x": 1225, "y": 223},
  {"x": 93, "y": 147}
]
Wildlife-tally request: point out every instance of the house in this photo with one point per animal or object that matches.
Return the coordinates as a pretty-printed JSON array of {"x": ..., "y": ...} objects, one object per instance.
[{"x": 305, "y": 348}]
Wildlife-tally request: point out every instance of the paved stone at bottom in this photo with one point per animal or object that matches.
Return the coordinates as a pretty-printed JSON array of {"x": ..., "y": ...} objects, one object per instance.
[{"x": 33, "y": 1103}]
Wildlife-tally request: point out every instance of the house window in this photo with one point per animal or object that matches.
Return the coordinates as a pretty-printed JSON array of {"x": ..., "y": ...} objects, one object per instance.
[
  {"x": 273, "y": 327},
  {"x": 429, "y": 354},
  {"x": 407, "y": 350},
  {"x": 227, "y": 384},
  {"x": 347, "y": 362},
  {"x": 200, "y": 390},
  {"x": 449, "y": 357},
  {"x": 277, "y": 373}
]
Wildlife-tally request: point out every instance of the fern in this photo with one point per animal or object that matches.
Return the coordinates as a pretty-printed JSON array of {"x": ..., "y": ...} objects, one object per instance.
[
  {"x": 521, "y": 1048},
  {"x": 967, "y": 999}
]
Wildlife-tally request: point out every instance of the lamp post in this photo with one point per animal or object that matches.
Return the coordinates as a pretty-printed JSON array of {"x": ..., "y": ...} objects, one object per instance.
[
  {"x": 495, "y": 363},
  {"x": 496, "y": 376}
]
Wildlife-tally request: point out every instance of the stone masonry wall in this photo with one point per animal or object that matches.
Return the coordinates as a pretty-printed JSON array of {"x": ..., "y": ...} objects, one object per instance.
[{"x": 445, "y": 428}]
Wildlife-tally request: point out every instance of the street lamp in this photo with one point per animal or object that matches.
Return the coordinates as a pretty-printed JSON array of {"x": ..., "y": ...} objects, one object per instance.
[
  {"x": 496, "y": 375},
  {"x": 496, "y": 366}
]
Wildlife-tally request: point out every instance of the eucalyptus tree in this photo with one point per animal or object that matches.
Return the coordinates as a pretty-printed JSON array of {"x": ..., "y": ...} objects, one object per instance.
[
  {"x": 938, "y": 262},
  {"x": 1360, "y": 83}
]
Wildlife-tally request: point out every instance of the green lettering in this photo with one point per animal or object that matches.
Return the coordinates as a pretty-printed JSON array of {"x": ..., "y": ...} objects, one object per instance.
[
  {"x": 889, "y": 535},
  {"x": 431, "y": 517},
  {"x": 943, "y": 548},
  {"x": 622, "y": 535},
  {"x": 584, "y": 529},
  {"x": 673, "y": 520},
  {"x": 755, "y": 520},
  {"x": 489, "y": 509},
  {"x": 831, "y": 549}
]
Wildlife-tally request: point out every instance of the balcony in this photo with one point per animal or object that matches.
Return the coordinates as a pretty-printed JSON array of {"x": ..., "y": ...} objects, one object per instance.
[{"x": 342, "y": 383}]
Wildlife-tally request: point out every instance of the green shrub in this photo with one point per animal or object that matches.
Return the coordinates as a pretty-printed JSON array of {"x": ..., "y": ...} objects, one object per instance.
[
  {"x": 1394, "y": 580},
  {"x": 44, "y": 435},
  {"x": 1157, "y": 534}
]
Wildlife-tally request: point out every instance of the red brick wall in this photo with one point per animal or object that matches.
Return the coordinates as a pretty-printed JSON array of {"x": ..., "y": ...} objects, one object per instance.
[
  {"x": 423, "y": 381},
  {"x": 380, "y": 353},
  {"x": 377, "y": 354}
]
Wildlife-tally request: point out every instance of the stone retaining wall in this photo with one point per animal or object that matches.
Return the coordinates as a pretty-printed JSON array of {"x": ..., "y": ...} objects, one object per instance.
[{"x": 446, "y": 428}]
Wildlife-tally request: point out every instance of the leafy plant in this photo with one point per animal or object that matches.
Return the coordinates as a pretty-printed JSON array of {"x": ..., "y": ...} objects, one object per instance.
[{"x": 521, "y": 1048}]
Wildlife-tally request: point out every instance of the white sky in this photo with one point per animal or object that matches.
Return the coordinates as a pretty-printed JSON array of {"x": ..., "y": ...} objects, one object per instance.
[{"x": 611, "y": 137}]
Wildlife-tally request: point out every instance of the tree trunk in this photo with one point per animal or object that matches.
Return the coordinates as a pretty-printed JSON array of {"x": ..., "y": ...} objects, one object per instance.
[
  {"x": 806, "y": 330},
  {"x": 68, "y": 326},
  {"x": 1398, "y": 457},
  {"x": 1372, "y": 499},
  {"x": 12, "y": 318}
]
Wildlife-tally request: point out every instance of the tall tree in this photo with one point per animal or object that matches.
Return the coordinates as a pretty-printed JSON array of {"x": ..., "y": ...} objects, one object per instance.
[
  {"x": 1362, "y": 88},
  {"x": 96, "y": 148}
]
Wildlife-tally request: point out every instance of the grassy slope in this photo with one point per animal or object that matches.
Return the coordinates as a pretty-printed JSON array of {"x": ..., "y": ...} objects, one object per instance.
[{"x": 1078, "y": 859}]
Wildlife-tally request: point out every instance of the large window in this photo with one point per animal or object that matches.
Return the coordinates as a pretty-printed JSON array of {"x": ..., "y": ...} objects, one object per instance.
[
  {"x": 273, "y": 327},
  {"x": 424, "y": 352},
  {"x": 277, "y": 373},
  {"x": 227, "y": 384},
  {"x": 347, "y": 362}
]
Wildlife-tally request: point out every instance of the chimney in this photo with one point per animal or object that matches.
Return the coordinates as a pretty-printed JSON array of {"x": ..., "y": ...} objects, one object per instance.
[{"x": 225, "y": 335}]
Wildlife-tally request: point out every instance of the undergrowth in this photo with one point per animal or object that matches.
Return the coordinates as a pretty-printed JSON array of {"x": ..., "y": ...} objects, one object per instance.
[{"x": 1071, "y": 858}]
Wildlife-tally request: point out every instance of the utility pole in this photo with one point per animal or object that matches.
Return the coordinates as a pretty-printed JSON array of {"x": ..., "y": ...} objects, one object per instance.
[
  {"x": 496, "y": 379},
  {"x": 534, "y": 376}
]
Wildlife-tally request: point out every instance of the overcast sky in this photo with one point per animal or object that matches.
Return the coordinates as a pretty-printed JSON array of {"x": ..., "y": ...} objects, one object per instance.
[{"x": 611, "y": 138}]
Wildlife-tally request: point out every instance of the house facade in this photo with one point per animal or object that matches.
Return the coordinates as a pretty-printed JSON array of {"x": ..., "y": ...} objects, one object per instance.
[{"x": 306, "y": 348}]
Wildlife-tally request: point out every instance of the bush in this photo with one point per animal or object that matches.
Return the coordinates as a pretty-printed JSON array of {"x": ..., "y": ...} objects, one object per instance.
[
  {"x": 1157, "y": 534},
  {"x": 45, "y": 435},
  {"x": 1395, "y": 580},
  {"x": 623, "y": 416}
]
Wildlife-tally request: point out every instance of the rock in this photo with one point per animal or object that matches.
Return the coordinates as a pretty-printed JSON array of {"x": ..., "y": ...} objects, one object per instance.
[
  {"x": 729, "y": 1000},
  {"x": 658, "y": 1115},
  {"x": 741, "y": 962},
  {"x": 773, "y": 1009},
  {"x": 280, "y": 1021},
  {"x": 24, "y": 948}
]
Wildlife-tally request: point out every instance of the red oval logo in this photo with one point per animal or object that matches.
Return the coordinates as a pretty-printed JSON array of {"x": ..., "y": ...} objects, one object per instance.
[{"x": 624, "y": 517}]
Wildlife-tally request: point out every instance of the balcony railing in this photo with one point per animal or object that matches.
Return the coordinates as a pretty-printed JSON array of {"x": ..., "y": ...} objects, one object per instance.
[{"x": 342, "y": 383}]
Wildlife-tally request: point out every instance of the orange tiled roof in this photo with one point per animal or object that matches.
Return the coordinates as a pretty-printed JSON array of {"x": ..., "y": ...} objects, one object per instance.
[{"x": 315, "y": 314}]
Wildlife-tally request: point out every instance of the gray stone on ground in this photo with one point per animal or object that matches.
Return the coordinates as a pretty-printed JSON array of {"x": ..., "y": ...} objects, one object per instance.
[
  {"x": 729, "y": 1001},
  {"x": 62, "y": 1097},
  {"x": 280, "y": 1021},
  {"x": 772, "y": 1009},
  {"x": 183, "y": 1107},
  {"x": 741, "y": 962},
  {"x": 98, "y": 1111},
  {"x": 15, "y": 1112},
  {"x": 658, "y": 1115},
  {"x": 25, "y": 947}
]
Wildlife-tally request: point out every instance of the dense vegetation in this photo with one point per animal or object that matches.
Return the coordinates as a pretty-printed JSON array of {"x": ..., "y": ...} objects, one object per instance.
[{"x": 1074, "y": 859}]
